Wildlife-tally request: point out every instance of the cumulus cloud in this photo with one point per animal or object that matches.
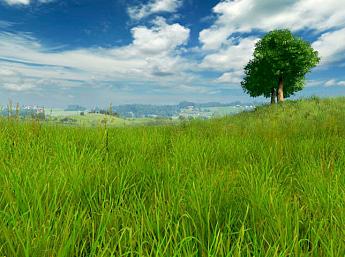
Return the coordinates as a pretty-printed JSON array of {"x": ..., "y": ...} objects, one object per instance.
[
  {"x": 231, "y": 57},
  {"x": 228, "y": 43},
  {"x": 249, "y": 15},
  {"x": 153, "y": 6},
  {"x": 234, "y": 77},
  {"x": 152, "y": 56},
  {"x": 155, "y": 53},
  {"x": 161, "y": 38},
  {"x": 331, "y": 47}
]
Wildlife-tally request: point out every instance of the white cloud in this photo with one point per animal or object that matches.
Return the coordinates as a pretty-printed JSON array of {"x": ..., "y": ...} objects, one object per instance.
[
  {"x": 12, "y": 80},
  {"x": 6, "y": 72},
  {"x": 227, "y": 47},
  {"x": 155, "y": 53},
  {"x": 153, "y": 56},
  {"x": 248, "y": 15},
  {"x": 18, "y": 87},
  {"x": 231, "y": 57},
  {"x": 25, "y": 2},
  {"x": 14, "y": 2},
  {"x": 153, "y": 6},
  {"x": 330, "y": 83},
  {"x": 234, "y": 77},
  {"x": 331, "y": 46},
  {"x": 334, "y": 82},
  {"x": 160, "y": 38}
]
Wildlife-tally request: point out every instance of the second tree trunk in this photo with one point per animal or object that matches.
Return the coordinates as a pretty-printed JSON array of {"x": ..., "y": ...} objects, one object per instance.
[
  {"x": 281, "y": 90},
  {"x": 273, "y": 96}
]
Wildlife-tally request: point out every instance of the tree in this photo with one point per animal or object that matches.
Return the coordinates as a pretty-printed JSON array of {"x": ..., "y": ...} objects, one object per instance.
[{"x": 281, "y": 61}]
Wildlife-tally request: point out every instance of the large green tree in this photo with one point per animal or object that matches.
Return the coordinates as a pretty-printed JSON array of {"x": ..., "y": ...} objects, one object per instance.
[{"x": 281, "y": 61}]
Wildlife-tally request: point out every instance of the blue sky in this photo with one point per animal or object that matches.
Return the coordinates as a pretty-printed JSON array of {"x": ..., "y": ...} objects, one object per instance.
[{"x": 58, "y": 52}]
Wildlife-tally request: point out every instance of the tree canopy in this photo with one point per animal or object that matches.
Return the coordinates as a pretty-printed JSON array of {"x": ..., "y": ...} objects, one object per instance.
[{"x": 281, "y": 61}]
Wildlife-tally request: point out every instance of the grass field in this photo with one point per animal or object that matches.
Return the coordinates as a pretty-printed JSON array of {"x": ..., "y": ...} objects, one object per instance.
[
  {"x": 97, "y": 120},
  {"x": 57, "y": 112},
  {"x": 265, "y": 183}
]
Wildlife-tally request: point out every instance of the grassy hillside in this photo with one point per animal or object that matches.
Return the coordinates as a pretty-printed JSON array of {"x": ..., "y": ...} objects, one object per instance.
[{"x": 266, "y": 183}]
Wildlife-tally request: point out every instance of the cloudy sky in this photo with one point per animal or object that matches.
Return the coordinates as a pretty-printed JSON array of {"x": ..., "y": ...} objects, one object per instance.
[{"x": 57, "y": 52}]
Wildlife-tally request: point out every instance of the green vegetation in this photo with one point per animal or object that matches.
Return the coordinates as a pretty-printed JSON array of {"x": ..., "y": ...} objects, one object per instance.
[
  {"x": 280, "y": 64},
  {"x": 227, "y": 110},
  {"x": 225, "y": 187},
  {"x": 56, "y": 112},
  {"x": 97, "y": 120}
]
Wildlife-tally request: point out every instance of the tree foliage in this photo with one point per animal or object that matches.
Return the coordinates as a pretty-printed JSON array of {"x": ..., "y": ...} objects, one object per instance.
[{"x": 279, "y": 57}]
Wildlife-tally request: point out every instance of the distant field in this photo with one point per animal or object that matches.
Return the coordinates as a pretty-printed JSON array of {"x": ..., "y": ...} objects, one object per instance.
[
  {"x": 55, "y": 112},
  {"x": 96, "y": 120},
  {"x": 270, "y": 182},
  {"x": 223, "y": 111}
]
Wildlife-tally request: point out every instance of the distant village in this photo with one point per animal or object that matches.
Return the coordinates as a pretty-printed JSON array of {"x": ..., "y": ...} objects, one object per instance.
[{"x": 33, "y": 111}]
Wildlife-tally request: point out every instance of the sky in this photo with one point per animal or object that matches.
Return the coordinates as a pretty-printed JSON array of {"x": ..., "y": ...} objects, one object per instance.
[{"x": 59, "y": 52}]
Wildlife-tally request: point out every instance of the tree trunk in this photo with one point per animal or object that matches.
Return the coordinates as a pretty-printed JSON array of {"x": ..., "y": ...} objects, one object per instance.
[
  {"x": 273, "y": 96},
  {"x": 281, "y": 90}
]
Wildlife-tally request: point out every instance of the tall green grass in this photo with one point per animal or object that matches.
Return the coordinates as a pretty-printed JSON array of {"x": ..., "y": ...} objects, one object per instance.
[{"x": 265, "y": 183}]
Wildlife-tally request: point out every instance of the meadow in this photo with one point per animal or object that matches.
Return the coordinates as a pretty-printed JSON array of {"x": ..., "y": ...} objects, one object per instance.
[
  {"x": 73, "y": 118},
  {"x": 269, "y": 182}
]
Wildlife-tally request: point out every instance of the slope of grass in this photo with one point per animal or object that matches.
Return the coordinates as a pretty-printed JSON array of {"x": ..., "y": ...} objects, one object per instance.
[{"x": 266, "y": 183}]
